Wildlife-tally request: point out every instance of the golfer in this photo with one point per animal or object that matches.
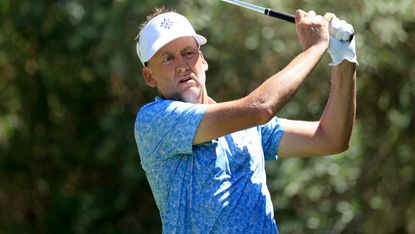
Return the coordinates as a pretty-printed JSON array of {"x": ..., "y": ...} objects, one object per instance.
[{"x": 205, "y": 160}]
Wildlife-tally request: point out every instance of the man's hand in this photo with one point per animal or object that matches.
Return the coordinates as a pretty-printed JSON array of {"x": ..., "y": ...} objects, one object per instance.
[
  {"x": 340, "y": 29},
  {"x": 339, "y": 48},
  {"x": 312, "y": 29}
]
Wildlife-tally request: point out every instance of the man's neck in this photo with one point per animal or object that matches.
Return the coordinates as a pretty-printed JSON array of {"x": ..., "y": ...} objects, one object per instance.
[{"x": 211, "y": 101}]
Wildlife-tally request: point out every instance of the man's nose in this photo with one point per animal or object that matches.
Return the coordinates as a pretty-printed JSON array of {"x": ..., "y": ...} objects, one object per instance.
[{"x": 181, "y": 64}]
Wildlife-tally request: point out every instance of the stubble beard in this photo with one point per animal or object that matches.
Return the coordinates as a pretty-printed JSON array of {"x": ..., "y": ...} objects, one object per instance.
[
  {"x": 195, "y": 94},
  {"x": 192, "y": 95}
]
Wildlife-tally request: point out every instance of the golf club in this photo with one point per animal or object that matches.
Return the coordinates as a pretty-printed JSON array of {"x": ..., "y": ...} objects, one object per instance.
[{"x": 276, "y": 14}]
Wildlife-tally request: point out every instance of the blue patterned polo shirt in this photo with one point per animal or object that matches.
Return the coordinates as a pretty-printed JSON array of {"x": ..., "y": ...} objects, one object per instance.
[{"x": 215, "y": 187}]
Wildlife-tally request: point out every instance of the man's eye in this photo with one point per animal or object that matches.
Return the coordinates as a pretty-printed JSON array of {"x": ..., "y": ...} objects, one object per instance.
[
  {"x": 167, "y": 59},
  {"x": 189, "y": 53}
]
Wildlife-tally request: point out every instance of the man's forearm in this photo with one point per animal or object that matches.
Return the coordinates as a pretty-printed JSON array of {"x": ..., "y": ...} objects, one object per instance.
[
  {"x": 275, "y": 92},
  {"x": 338, "y": 118}
]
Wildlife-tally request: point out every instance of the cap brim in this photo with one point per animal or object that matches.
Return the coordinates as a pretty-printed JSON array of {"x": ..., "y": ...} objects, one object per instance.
[{"x": 201, "y": 40}]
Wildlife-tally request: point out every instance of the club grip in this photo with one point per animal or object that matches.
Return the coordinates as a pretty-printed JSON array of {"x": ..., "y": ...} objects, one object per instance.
[{"x": 280, "y": 15}]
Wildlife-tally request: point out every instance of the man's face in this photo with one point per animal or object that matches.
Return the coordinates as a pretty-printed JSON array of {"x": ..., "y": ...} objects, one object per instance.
[{"x": 177, "y": 70}]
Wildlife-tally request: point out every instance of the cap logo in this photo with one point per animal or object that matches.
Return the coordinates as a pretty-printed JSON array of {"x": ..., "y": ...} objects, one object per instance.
[{"x": 166, "y": 24}]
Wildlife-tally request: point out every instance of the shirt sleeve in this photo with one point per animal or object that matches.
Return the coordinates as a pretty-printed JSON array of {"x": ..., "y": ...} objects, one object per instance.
[
  {"x": 166, "y": 128},
  {"x": 271, "y": 134}
]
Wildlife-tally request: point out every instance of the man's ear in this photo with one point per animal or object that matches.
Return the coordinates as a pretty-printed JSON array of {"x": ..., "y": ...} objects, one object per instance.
[
  {"x": 148, "y": 77},
  {"x": 205, "y": 64}
]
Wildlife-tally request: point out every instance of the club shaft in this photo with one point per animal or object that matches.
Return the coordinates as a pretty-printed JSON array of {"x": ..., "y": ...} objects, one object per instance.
[
  {"x": 263, "y": 10},
  {"x": 246, "y": 5}
]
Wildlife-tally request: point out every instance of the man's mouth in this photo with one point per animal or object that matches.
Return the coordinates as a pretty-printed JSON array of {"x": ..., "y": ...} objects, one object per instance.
[{"x": 185, "y": 79}]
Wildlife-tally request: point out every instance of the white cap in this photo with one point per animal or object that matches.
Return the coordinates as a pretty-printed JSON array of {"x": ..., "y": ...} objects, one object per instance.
[{"x": 160, "y": 31}]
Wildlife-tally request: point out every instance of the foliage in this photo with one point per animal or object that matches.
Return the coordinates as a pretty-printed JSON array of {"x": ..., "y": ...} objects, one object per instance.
[{"x": 71, "y": 84}]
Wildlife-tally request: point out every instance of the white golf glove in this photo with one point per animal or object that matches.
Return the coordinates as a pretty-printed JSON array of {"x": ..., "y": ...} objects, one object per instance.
[{"x": 339, "y": 48}]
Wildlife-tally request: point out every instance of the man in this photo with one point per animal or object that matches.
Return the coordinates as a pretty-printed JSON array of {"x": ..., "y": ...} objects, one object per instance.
[{"x": 205, "y": 160}]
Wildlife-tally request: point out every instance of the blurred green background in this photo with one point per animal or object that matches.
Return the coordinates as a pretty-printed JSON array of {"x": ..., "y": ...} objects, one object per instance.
[{"x": 71, "y": 84}]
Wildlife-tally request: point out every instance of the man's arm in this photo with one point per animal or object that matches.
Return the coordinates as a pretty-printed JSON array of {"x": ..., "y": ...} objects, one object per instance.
[
  {"x": 332, "y": 133},
  {"x": 264, "y": 103}
]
